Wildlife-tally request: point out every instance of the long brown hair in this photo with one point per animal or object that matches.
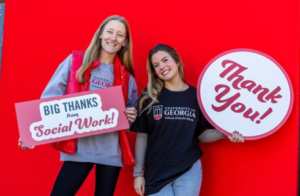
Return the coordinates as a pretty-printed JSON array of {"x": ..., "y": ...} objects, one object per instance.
[
  {"x": 155, "y": 84},
  {"x": 93, "y": 51}
]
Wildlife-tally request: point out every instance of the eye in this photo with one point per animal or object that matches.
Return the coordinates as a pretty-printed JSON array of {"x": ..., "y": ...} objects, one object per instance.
[
  {"x": 165, "y": 60},
  {"x": 109, "y": 31},
  {"x": 155, "y": 65},
  {"x": 120, "y": 35}
]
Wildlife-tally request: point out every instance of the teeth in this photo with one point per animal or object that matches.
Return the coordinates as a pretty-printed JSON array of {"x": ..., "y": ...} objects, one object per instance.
[
  {"x": 111, "y": 44},
  {"x": 165, "y": 72}
]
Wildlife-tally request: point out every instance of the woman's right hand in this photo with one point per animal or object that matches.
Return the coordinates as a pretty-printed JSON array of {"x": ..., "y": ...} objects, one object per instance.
[
  {"x": 236, "y": 137},
  {"x": 139, "y": 185},
  {"x": 20, "y": 144}
]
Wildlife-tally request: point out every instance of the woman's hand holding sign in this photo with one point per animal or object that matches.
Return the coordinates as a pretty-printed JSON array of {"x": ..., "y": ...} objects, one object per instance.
[
  {"x": 131, "y": 114},
  {"x": 211, "y": 135},
  {"x": 236, "y": 137},
  {"x": 20, "y": 144}
]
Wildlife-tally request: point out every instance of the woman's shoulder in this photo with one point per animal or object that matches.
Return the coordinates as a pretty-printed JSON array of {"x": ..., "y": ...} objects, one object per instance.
[
  {"x": 65, "y": 65},
  {"x": 145, "y": 91},
  {"x": 192, "y": 89},
  {"x": 68, "y": 59},
  {"x": 143, "y": 94},
  {"x": 143, "y": 100}
]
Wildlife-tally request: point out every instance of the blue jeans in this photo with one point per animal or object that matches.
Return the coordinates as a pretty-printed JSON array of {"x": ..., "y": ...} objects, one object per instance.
[{"x": 188, "y": 184}]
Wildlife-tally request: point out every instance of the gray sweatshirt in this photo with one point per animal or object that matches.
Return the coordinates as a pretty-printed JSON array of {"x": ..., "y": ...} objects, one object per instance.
[{"x": 103, "y": 148}]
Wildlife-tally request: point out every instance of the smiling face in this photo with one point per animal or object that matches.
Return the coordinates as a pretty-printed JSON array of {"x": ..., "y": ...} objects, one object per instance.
[
  {"x": 113, "y": 37},
  {"x": 165, "y": 66}
]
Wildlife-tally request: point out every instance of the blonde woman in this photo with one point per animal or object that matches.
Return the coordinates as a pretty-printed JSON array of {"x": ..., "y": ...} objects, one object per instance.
[
  {"x": 105, "y": 63},
  {"x": 170, "y": 125}
]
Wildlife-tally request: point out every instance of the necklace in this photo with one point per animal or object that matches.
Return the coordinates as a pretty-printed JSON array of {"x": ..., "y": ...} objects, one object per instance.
[
  {"x": 174, "y": 89},
  {"x": 182, "y": 87}
]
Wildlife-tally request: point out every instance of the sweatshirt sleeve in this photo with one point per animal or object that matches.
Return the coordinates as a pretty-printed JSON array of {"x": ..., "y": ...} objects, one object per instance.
[
  {"x": 140, "y": 152},
  {"x": 132, "y": 92},
  {"x": 57, "y": 86}
]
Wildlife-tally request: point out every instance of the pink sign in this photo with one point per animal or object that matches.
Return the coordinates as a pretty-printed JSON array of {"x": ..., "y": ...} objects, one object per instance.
[
  {"x": 71, "y": 116},
  {"x": 246, "y": 91}
]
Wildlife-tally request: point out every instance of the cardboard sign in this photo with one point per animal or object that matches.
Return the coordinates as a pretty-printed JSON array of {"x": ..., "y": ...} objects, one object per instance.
[
  {"x": 246, "y": 91},
  {"x": 71, "y": 116}
]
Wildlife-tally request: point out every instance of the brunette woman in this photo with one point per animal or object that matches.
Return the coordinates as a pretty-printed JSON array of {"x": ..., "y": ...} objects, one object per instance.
[{"x": 170, "y": 125}]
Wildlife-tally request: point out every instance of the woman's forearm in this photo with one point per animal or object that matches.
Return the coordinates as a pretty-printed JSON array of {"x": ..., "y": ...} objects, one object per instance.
[
  {"x": 211, "y": 135},
  {"x": 140, "y": 152}
]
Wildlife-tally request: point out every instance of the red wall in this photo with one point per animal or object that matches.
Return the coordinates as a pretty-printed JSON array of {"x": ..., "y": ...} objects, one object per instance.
[{"x": 38, "y": 35}]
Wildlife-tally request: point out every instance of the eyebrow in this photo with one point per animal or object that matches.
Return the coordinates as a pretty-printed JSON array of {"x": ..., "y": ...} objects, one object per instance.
[{"x": 161, "y": 59}]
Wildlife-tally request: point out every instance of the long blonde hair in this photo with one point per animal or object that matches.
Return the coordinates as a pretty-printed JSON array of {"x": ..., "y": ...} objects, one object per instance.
[
  {"x": 155, "y": 84},
  {"x": 93, "y": 51}
]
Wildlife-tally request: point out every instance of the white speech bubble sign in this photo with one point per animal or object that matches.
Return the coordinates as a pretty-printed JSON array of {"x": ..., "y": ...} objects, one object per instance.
[{"x": 247, "y": 91}]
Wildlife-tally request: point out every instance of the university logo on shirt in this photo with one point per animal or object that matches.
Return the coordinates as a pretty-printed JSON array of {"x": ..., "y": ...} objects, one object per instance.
[{"x": 157, "y": 112}]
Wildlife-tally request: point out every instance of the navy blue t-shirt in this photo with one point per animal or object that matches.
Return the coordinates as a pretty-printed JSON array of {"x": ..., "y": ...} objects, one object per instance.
[{"x": 173, "y": 126}]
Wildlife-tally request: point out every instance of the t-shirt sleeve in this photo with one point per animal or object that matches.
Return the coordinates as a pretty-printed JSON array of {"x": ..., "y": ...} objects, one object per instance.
[
  {"x": 203, "y": 124},
  {"x": 141, "y": 123},
  {"x": 57, "y": 86}
]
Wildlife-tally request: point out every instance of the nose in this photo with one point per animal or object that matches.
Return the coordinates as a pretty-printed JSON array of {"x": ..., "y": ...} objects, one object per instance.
[
  {"x": 113, "y": 37},
  {"x": 161, "y": 66}
]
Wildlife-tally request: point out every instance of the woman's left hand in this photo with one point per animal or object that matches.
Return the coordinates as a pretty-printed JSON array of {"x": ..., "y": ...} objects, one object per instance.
[
  {"x": 236, "y": 137},
  {"x": 131, "y": 114}
]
